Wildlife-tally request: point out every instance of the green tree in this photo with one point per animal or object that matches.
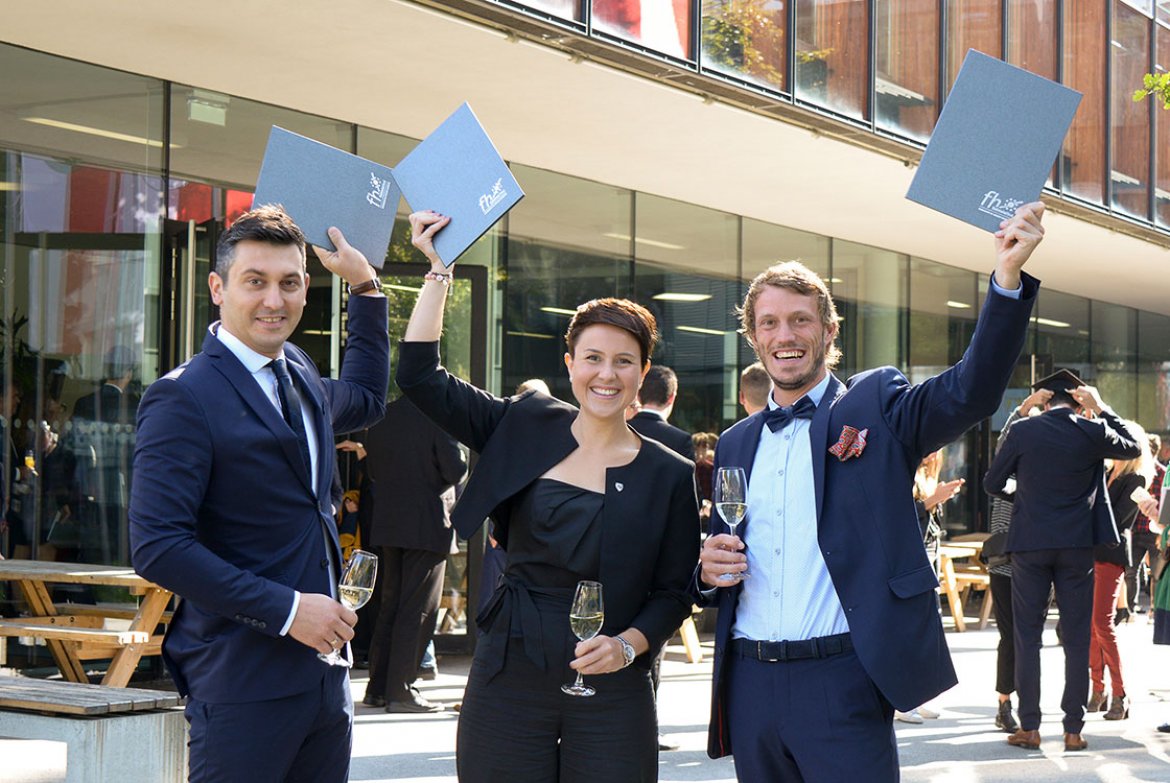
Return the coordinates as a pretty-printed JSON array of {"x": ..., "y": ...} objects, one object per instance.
[{"x": 1156, "y": 84}]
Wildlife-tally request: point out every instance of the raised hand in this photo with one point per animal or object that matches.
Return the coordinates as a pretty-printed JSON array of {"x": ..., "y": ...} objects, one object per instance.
[{"x": 1014, "y": 242}]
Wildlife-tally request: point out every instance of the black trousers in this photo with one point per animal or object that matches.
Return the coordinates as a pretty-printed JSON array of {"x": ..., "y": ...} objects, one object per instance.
[
  {"x": 412, "y": 584},
  {"x": 1142, "y": 543},
  {"x": 1070, "y": 573},
  {"x": 1005, "y": 659},
  {"x": 519, "y": 726}
]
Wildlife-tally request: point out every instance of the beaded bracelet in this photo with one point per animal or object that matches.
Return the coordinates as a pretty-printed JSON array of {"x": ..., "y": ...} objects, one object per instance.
[{"x": 439, "y": 277}]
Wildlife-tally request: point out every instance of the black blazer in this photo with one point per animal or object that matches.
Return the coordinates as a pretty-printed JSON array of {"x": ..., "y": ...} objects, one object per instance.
[
  {"x": 1058, "y": 461},
  {"x": 652, "y": 425},
  {"x": 412, "y": 467},
  {"x": 650, "y": 523}
]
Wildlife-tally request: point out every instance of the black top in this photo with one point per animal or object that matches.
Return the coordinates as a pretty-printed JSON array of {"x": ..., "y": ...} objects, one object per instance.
[
  {"x": 1125, "y": 511},
  {"x": 555, "y": 538},
  {"x": 555, "y": 542}
]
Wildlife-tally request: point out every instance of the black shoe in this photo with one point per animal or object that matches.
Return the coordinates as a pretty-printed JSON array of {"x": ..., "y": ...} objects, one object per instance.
[
  {"x": 1121, "y": 616},
  {"x": 665, "y": 744},
  {"x": 1004, "y": 720},
  {"x": 429, "y": 673},
  {"x": 373, "y": 701},
  {"x": 415, "y": 704}
]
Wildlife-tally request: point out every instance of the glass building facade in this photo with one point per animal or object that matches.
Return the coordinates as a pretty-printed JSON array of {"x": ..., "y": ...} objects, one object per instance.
[{"x": 114, "y": 187}]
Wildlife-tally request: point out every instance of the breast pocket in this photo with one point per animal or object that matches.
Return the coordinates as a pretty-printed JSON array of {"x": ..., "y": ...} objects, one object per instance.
[{"x": 912, "y": 583}]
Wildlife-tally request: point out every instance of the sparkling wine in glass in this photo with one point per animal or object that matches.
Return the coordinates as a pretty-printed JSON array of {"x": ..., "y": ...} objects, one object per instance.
[
  {"x": 354, "y": 590},
  {"x": 729, "y": 492},
  {"x": 586, "y": 617}
]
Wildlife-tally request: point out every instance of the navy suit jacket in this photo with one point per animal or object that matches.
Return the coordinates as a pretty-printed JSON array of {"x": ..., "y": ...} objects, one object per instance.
[
  {"x": 867, "y": 526},
  {"x": 1058, "y": 459},
  {"x": 654, "y": 426},
  {"x": 224, "y": 513}
]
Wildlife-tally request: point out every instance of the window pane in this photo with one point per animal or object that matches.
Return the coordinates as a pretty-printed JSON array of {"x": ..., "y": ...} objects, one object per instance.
[
  {"x": 661, "y": 25},
  {"x": 1062, "y": 334},
  {"x": 1114, "y": 356},
  {"x": 1162, "y": 143},
  {"x": 972, "y": 24},
  {"x": 565, "y": 9},
  {"x": 869, "y": 286},
  {"x": 1084, "y": 70},
  {"x": 832, "y": 55},
  {"x": 1032, "y": 36},
  {"x": 1163, "y": 10},
  {"x": 907, "y": 66},
  {"x": 1153, "y": 380},
  {"x": 79, "y": 298},
  {"x": 746, "y": 40},
  {"x": 1130, "y": 120},
  {"x": 687, "y": 274},
  {"x": 568, "y": 242}
]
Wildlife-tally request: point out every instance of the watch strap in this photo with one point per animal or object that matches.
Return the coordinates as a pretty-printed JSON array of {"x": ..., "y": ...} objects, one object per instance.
[{"x": 373, "y": 284}]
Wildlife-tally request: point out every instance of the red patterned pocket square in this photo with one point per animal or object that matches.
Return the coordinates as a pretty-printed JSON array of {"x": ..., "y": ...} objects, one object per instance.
[{"x": 850, "y": 444}]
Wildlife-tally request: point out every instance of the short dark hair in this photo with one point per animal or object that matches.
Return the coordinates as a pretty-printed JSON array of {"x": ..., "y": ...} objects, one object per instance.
[
  {"x": 622, "y": 313},
  {"x": 268, "y": 223},
  {"x": 659, "y": 385},
  {"x": 755, "y": 384},
  {"x": 1061, "y": 397}
]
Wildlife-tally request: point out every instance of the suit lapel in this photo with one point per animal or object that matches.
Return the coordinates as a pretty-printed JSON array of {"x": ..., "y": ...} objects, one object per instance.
[
  {"x": 744, "y": 453},
  {"x": 818, "y": 435},
  {"x": 310, "y": 395},
  {"x": 226, "y": 363}
]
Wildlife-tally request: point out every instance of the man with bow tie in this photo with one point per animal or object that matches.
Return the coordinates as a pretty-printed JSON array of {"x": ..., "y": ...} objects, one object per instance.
[{"x": 838, "y": 624}]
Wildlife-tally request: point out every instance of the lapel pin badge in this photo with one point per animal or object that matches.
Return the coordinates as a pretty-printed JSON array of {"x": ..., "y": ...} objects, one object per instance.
[{"x": 619, "y": 486}]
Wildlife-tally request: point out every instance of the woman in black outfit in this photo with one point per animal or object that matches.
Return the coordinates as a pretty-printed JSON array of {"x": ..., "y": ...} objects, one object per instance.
[{"x": 575, "y": 494}]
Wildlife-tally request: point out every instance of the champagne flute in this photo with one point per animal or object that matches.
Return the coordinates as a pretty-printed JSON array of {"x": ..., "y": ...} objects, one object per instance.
[
  {"x": 586, "y": 617},
  {"x": 729, "y": 492},
  {"x": 355, "y": 588}
]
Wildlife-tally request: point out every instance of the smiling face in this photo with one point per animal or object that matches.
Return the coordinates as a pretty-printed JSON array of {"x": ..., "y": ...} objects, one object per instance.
[
  {"x": 791, "y": 341},
  {"x": 263, "y": 298},
  {"x": 605, "y": 370}
]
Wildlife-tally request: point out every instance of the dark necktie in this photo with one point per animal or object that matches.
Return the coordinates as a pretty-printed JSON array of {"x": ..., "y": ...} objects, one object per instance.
[
  {"x": 776, "y": 418},
  {"x": 290, "y": 404}
]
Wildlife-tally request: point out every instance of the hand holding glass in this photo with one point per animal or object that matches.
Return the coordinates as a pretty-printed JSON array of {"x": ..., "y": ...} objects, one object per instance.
[
  {"x": 586, "y": 617},
  {"x": 729, "y": 492},
  {"x": 355, "y": 588}
]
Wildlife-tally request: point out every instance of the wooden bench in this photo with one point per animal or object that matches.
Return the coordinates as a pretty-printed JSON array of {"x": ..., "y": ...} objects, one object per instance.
[{"x": 111, "y": 733}]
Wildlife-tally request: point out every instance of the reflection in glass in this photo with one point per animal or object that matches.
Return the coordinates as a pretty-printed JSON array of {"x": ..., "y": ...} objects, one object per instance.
[
  {"x": 1083, "y": 160},
  {"x": 971, "y": 24},
  {"x": 832, "y": 55},
  {"x": 1130, "y": 120},
  {"x": 1162, "y": 135},
  {"x": 907, "y": 66},
  {"x": 1153, "y": 371},
  {"x": 661, "y": 25},
  {"x": 745, "y": 38},
  {"x": 565, "y": 9},
  {"x": 1114, "y": 349},
  {"x": 870, "y": 286},
  {"x": 1062, "y": 334}
]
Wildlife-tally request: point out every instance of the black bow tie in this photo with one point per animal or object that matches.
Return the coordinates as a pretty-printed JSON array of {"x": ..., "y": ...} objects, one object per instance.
[{"x": 776, "y": 418}]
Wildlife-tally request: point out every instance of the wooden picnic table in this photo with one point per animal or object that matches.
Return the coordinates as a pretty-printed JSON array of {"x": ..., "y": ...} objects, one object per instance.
[
  {"x": 77, "y": 632},
  {"x": 956, "y": 578}
]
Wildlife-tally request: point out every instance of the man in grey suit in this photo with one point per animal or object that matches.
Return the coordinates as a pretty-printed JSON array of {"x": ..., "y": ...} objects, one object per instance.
[{"x": 413, "y": 467}]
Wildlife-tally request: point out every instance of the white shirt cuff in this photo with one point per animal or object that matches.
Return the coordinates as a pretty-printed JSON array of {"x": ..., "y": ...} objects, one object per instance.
[{"x": 291, "y": 614}]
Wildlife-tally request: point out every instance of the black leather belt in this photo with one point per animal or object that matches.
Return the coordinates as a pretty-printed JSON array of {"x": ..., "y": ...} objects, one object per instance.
[{"x": 821, "y": 647}]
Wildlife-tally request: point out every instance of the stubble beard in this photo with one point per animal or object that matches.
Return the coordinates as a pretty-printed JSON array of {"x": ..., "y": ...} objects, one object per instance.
[{"x": 807, "y": 379}]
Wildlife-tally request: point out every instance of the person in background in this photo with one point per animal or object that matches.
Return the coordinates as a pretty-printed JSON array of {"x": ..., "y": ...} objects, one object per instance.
[
  {"x": 930, "y": 496},
  {"x": 704, "y": 443},
  {"x": 349, "y": 534},
  {"x": 754, "y": 387},
  {"x": 1060, "y": 512},
  {"x": 655, "y": 404},
  {"x": 999, "y": 569},
  {"x": 1143, "y": 541},
  {"x": 576, "y": 495},
  {"x": 1110, "y": 562}
]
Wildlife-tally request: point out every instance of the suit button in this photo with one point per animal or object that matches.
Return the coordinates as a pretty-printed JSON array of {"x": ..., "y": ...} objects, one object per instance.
[
  {"x": 324, "y": 562},
  {"x": 263, "y": 624},
  {"x": 239, "y": 617}
]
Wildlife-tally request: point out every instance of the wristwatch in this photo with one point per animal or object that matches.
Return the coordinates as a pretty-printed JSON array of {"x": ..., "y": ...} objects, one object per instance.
[
  {"x": 628, "y": 653},
  {"x": 373, "y": 284}
]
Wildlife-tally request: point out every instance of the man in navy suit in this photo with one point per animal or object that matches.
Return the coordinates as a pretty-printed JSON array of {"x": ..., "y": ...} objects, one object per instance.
[
  {"x": 232, "y": 508},
  {"x": 838, "y": 623},
  {"x": 1061, "y": 511},
  {"x": 656, "y": 397}
]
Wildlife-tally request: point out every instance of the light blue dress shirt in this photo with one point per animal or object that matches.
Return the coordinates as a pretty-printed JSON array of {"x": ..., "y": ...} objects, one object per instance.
[{"x": 790, "y": 594}]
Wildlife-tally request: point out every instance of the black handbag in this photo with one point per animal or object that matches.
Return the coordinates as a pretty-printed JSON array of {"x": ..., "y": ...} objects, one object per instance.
[{"x": 993, "y": 553}]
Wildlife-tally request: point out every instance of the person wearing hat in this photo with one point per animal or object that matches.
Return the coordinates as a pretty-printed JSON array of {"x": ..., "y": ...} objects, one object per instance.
[{"x": 1060, "y": 513}]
